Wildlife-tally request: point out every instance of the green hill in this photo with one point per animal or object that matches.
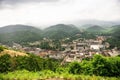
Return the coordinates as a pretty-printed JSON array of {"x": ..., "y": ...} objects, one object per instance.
[
  {"x": 60, "y": 31},
  {"x": 18, "y": 27},
  {"x": 115, "y": 39},
  {"x": 19, "y": 34},
  {"x": 116, "y": 32},
  {"x": 115, "y": 28},
  {"x": 95, "y": 29},
  {"x": 23, "y": 33}
]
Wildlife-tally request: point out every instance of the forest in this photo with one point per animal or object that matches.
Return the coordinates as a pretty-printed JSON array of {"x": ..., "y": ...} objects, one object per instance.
[{"x": 12, "y": 67}]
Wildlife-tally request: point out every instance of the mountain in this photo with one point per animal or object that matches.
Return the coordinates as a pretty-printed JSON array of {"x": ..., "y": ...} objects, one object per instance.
[
  {"x": 85, "y": 26},
  {"x": 97, "y": 22},
  {"x": 19, "y": 34},
  {"x": 116, "y": 31},
  {"x": 18, "y": 27},
  {"x": 60, "y": 31},
  {"x": 115, "y": 37},
  {"x": 95, "y": 29},
  {"x": 115, "y": 27}
]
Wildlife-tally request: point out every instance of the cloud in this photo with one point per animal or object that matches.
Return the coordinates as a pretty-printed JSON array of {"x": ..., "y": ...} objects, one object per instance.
[
  {"x": 22, "y": 1},
  {"x": 11, "y": 3},
  {"x": 59, "y": 11}
]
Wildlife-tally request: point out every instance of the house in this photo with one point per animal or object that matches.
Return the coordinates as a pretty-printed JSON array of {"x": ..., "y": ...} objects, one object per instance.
[{"x": 17, "y": 46}]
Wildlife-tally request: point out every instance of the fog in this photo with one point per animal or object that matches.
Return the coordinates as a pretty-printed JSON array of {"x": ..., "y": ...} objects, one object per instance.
[{"x": 43, "y": 13}]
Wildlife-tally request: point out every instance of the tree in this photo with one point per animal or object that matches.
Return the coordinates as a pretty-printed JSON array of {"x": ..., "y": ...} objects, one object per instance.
[
  {"x": 100, "y": 66},
  {"x": 51, "y": 64},
  {"x": 75, "y": 68},
  {"x": 1, "y": 48},
  {"x": 5, "y": 63},
  {"x": 87, "y": 67},
  {"x": 114, "y": 66}
]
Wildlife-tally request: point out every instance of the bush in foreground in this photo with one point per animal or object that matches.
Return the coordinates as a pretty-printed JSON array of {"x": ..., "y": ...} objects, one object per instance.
[{"x": 98, "y": 65}]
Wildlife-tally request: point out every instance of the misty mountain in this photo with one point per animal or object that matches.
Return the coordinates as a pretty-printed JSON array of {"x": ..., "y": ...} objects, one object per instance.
[
  {"x": 115, "y": 37},
  {"x": 115, "y": 27},
  {"x": 60, "y": 31},
  {"x": 24, "y": 33},
  {"x": 81, "y": 23},
  {"x": 18, "y": 27},
  {"x": 85, "y": 26},
  {"x": 116, "y": 32},
  {"x": 19, "y": 34},
  {"x": 95, "y": 29}
]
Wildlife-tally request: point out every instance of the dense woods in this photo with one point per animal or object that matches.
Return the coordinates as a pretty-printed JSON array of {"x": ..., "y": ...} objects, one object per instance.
[
  {"x": 23, "y": 34},
  {"x": 115, "y": 37},
  {"x": 98, "y": 65}
]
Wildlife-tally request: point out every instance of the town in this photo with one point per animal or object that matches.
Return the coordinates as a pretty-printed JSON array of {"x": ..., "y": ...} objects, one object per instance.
[{"x": 77, "y": 50}]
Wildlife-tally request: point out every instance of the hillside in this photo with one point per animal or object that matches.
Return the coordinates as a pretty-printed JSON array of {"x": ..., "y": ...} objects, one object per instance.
[
  {"x": 12, "y": 53},
  {"x": 115, "y": 28},
  {"x": 85, "y": 26},
  {"x": 23, "y": 33},
  {"x": 116, "y": 32},
  {"x": 19, "y": 34},
  {"x": 115, "y": 37},
  {"x": 95, "y": 29},
  {"x": 18, "y": 27},
  {"x": 60, "y": 31}
]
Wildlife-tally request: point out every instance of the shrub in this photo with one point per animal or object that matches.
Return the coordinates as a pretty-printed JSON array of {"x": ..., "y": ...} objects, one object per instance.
[
  {"x": 100, "y": 66},
  {"x": 114, "y": 66},
  {"x": 1, "y": 77},
  {"x": 5, "y": 63},
  {"x": 87, "y": 68},
  {"x": 61, "y": 70},
  {"x": 75, "y": 68},
  {"x": 1, "y": 48}
]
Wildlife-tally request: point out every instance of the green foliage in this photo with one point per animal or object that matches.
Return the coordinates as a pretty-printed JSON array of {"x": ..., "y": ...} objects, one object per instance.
[
  {"x": 19, "y": 34},
  {"x": 106, "y": 66},
  {"x": 54, "y": 45},
  {"x": 1, "y": 77},
  {"x": 60, "y": 31},
  {"x": 115, "y": 39},
  {"x": 98, "y": 65},
  {"x": 75, "y": 68},
  {"x": 87, "y": 67},
  {"x": 45, "y": 45},
  {"x": 61, "y": 70},
  {"x": 19, "y": 37},
  {"x": 50, "y": 64},
  {"x": 5, "y": 63},
  {"x": 1, "y": 48},
  {"x": 114, "y": 66},
  {"x": 95, "y": 29},
  {"x": 30, "y": 63},
  {"x": 87, "y": 35},
  {"x": 49, "y": 75}
]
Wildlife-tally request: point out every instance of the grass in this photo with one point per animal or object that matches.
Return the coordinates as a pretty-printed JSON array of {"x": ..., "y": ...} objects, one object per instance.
[
  {"x": 12, "y": 53},
  {"x": 49, "y": 75}
]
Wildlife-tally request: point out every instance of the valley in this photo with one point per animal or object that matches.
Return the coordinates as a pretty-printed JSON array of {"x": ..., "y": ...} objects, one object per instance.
[{"x": 58, "y": 50}]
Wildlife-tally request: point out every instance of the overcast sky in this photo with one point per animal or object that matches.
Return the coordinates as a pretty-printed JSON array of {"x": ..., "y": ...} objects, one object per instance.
[{"x": 49, "y": 12}]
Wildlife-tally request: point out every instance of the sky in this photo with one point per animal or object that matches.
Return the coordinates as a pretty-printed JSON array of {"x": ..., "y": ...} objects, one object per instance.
[{"x": 43, "y": 13}]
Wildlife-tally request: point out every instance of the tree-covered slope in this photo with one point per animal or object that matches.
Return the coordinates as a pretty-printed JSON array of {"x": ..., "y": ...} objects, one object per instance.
[
  {"x": 95, "y": 29},
  {"x": 60, "y": 31},
  {"x": 115, "y": 37},
  {"x": 19, "y": 34},
  {"x": 18, "y": 27}
]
